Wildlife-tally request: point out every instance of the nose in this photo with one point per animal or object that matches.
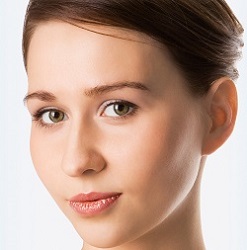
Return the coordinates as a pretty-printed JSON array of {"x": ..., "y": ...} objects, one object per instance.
[{"x": 80, "y": 154}]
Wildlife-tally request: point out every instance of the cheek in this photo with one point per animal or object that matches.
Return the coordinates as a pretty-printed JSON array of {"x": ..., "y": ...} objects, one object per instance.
[
  {"x": 160, "y": 159},
  {"x": 46, "y": 155},
  {"x": 155, "y": 167},
  {"x": 38, "y": 150}
]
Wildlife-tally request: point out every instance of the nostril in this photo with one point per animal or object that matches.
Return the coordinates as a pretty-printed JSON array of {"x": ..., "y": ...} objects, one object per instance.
[{"x": 89, "y": 171}]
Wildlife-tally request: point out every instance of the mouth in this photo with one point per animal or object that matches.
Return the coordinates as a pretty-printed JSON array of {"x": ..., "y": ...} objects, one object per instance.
[{"x": 93, "y": 203}]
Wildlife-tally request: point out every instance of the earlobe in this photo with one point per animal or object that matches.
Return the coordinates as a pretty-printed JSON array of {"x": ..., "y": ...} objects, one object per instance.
[{"x": 221, "y": 102}]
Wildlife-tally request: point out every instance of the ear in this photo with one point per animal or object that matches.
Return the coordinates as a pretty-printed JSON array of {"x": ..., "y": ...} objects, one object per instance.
[{"x": 221, "y": 103}]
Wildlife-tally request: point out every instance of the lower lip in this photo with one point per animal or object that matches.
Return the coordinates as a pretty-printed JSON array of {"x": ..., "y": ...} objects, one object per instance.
[{"x": 91, "y": 208}]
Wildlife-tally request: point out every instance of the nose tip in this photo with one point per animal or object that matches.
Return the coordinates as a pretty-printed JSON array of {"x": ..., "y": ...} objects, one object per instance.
[{"x": 76, "y": 163}]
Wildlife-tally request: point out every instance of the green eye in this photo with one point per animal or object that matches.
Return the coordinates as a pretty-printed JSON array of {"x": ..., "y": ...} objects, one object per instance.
[
  {"x": 56, "y": 116},
  {"x": 121, "y": 109},
  {"x": 52, "y": 116},
  {"x": 118, "y": 109}
]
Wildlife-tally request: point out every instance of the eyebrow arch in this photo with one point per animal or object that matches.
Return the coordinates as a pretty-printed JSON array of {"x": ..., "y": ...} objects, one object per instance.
[
  {"x": 101, "y": 89},
  {"x": 46, "y": 96}
]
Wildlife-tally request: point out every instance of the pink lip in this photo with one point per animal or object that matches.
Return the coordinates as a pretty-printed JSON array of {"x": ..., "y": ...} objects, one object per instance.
[{"x": 93, "y": 203}]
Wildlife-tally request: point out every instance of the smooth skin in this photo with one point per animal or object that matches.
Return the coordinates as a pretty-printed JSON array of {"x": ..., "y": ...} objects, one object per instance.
[{"x": 112, "y": 113}]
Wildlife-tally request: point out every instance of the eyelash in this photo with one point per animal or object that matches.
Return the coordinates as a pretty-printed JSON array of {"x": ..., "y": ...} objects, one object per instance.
[
  {"x": 130, "y": 105},
  {"x": 37, "y": 116}
]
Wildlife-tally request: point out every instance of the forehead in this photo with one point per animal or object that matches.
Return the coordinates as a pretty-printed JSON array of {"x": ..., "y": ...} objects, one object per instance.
[
  {"x": 64, "y": 53},
  {"x": 56, "y": 36}
]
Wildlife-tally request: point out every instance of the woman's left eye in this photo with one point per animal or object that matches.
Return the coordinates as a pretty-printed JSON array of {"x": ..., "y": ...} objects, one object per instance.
[{"x": 118, "y": 109}]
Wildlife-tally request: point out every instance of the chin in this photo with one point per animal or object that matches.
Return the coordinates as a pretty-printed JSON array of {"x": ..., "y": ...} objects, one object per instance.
[
  {"x": 102, "y": 241},
  {"x": 104, "y": 236}
]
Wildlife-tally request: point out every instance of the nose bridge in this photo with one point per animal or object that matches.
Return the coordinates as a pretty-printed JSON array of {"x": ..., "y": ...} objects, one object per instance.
[{"x": 80, "y": 154}]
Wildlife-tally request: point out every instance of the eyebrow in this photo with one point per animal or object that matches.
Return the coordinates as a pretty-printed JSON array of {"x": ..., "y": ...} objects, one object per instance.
[
  {"x": 46, "y": 96},
  {"x": 102, "y": 89}
]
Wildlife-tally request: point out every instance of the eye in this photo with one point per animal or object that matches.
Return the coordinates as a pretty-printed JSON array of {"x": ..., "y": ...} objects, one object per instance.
[
  {"x": 118, "y": 109},
  {"x": 51, "y": 116}
]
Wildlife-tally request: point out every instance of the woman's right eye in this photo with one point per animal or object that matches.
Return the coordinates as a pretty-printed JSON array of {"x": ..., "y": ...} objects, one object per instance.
[{"x": 49, "y": 117}]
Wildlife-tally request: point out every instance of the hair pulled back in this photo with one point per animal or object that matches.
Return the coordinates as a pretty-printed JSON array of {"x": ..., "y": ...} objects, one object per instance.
[{"x": 204, "y": 37}]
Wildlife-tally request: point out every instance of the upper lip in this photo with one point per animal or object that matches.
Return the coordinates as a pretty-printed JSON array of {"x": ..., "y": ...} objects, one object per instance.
[{"x": 93, "y": 196}]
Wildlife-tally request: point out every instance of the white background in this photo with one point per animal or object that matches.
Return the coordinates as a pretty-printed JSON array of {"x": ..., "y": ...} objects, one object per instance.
[{"x": 30, "y": 220}]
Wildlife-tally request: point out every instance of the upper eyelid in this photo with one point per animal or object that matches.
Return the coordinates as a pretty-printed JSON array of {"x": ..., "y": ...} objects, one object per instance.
[
  {"x": 108, "y": 103},
  {"x": 47, "y": 109},
  {"x": 112, "y": 101}
]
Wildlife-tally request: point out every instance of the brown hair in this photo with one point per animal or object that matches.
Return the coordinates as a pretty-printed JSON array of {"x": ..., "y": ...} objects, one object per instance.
[{"x": 204, "y": 37}]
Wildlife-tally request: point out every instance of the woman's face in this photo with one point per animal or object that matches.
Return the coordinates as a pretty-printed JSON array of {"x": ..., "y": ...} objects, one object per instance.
[{"x": 111, "y": 116}]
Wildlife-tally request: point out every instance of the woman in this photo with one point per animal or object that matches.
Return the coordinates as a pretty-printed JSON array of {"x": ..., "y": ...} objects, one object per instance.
[{"x": 128, "y": 98}]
